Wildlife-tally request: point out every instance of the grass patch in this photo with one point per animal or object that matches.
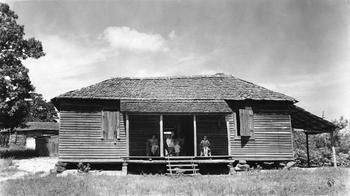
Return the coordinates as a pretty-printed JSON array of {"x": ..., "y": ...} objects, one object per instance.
[
  {"x": 323, "y": 181},
  {"x": 18, "y": 153}
]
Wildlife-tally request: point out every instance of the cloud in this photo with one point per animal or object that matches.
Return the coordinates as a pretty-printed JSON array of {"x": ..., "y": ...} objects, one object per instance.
[
  {"x": 75, "y": 62},
  {"x": 132, "y": 40},
  {"x": 172, "y": 35},
  {"x": 55, "y": 73}
]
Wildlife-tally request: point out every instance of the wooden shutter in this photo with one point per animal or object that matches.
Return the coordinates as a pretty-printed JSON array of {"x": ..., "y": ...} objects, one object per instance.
[
  {"x": 111, "y": 124},
  {"x": 246, "y": 122}
]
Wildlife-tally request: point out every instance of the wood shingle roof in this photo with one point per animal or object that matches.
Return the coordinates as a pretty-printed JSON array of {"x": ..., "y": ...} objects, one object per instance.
[{"x": 210, "y": 87}]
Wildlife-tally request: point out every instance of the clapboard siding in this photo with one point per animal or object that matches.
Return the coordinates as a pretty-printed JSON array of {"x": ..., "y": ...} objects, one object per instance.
[
  {"x": 81, "y": 137},
  {"x": 142, "y": 127},
  {"x": 272, "y": 139},
  {"x": 214, "y": 127}
]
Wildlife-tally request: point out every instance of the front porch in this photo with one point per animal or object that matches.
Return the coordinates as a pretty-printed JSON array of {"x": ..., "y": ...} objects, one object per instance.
[{"x": 184, "y": 130}]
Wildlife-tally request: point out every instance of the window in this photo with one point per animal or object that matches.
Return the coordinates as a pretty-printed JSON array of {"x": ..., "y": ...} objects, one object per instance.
[{"x": 110, "y": 125}]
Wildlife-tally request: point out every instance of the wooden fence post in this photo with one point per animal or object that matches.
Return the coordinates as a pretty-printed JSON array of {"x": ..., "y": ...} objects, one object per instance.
[
  {"x": 307, "y": 149},
  {"x": 333, "y": 149}
]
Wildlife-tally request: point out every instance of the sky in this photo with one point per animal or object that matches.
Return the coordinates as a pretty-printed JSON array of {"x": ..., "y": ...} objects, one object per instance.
[{"x": 296, "y": 47}]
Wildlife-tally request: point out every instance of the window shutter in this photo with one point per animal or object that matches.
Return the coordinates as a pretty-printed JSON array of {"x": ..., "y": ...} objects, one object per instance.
[
  {"x": 110, "y": 124},
  {"x": 247, "y": 122}
]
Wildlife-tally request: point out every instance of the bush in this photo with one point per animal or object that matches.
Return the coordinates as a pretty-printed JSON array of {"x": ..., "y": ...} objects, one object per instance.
[
  {"x": 320, "y": 150},
  {"x": 18, "y": 153}
]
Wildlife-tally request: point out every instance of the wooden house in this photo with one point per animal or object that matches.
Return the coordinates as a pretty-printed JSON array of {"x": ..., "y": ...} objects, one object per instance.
[
  {"x": 112, "y": 121},
  {"x": 41, "y": 136}
]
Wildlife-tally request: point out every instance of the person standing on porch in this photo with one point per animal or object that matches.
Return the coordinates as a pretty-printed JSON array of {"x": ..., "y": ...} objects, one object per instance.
[
  {"x": 177, "y": 147},
  {"x": 152, "y": 146},
  {"x": 170, "y": 144},
  {"x": 205, "y": 147}
]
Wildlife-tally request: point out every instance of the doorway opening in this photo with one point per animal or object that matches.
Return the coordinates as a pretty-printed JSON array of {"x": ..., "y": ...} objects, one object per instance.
[{"x": 178, "y": 135}]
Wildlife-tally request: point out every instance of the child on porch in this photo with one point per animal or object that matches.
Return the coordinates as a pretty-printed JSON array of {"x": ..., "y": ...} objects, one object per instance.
[
  {"x": 152, "y": 147},
  {"x": 177, "y": 147},
  {"x": 205, "y": 147}
]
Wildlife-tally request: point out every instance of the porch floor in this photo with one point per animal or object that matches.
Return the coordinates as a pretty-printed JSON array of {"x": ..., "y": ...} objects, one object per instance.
[{"x": 158, "y": 160}]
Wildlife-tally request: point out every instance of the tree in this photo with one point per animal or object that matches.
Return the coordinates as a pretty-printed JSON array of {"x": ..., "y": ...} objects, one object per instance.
[
  {"x": 40, "y": 110},
  {"x": 15, "y": 85}
]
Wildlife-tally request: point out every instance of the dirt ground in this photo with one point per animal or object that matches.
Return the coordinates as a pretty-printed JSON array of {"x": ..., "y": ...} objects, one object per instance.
[
  {"x": 26, "y": 167},
  {"x": 347, "y": 182}
]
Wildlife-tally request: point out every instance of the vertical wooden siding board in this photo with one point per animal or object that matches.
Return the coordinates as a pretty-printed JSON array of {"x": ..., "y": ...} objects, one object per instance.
[
  {"x": 127, "y": 134},
  {"x": 118, "y": 124}
]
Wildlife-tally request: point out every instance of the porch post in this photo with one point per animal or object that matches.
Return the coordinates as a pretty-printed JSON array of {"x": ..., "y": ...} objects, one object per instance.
[
  {"x": 161, "y": 136},
  {"x": 195, "y": 135},
  {"x": 307, "y": 149},
  {"x": 228, "y": 137},
  {"x": 333, "y": 149},
  {"x": 127, "y": 134}
]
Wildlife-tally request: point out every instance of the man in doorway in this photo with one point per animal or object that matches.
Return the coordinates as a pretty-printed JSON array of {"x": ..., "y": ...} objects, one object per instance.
[{"x": 205, "y": 147}]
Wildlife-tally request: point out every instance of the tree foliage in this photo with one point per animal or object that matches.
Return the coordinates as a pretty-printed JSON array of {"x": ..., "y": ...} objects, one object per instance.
[
  {"x": 320, "y": 146},
  {"x": 15, "y": 85},
  {"x": 40, "y": 110}
]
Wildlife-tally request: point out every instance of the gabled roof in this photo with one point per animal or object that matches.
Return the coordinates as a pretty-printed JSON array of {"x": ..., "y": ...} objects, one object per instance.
[{"x": 208, "y": 87}]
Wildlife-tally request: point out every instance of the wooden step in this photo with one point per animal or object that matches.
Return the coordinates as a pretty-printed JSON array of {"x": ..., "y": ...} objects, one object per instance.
[
  {"x": 182, "y": 165},
  {"x": 194, "y": 174},
  {"x": 182, "y": 170}
]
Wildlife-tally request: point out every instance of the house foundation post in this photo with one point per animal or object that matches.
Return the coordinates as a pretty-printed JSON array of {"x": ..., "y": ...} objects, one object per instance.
[{"x": 125, "y": 169}]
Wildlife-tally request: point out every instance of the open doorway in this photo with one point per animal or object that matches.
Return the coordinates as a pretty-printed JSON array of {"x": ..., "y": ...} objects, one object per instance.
[{"x": 178, "y": 135}]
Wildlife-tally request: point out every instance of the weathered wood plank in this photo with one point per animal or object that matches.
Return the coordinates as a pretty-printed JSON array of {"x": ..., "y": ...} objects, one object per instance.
[
  {"x": 80, "y": 136},
  {"x": 272, "y": 139}
]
